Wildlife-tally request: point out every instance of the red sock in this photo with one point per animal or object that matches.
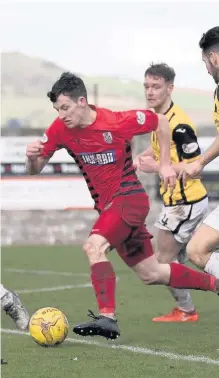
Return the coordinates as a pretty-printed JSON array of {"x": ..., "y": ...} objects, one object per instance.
[
  {"x": 183, "y": 277},
  {"x": 104, "y": 283}
]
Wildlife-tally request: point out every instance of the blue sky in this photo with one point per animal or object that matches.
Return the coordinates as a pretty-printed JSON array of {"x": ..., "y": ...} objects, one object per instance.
[{"x": 113, "y": 38}]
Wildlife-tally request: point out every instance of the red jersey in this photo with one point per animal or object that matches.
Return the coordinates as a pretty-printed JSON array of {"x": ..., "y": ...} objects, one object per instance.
[{"x": 102, "y": 151}]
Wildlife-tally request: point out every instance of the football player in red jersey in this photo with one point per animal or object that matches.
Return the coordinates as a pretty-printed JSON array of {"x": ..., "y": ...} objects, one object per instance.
[{"x": 99, "y": 141}]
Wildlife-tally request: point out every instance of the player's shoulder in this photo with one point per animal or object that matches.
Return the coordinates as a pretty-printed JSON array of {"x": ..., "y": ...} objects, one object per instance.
[
  {"x": 110, "y": 119},
  {"x": 116, "y": 119},
  {"x": 105, "y": 113},
  {"x": 105, "y": 119},
  {"x": 55, "y": 131},
  {"x": 180, "y": 117}
]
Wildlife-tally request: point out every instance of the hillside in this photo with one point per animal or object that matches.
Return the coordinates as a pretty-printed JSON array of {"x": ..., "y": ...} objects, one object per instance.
[{"x": 26, "y": 80}]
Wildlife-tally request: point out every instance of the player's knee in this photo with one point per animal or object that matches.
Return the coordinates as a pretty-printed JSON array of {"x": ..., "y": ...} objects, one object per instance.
[
  {"x": 150, "y": 278},
  {"x": 90, "y": 250},
  {"x": 94, "y": 253},
  {"x": 197, "y": 252},
  {"x": 148, "y": 270}
]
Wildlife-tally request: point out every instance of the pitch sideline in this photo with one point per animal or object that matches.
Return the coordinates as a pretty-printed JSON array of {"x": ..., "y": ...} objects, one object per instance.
[{"x": 133, "y": 349}]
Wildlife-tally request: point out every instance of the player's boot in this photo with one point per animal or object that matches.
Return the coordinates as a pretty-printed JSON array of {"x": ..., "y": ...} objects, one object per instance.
[
  {"x": 13, "y": 307},
  {"x": 3, "y": 362},
  {"x": 177, "y": 315},
  {"x": 99, "y": 326}
]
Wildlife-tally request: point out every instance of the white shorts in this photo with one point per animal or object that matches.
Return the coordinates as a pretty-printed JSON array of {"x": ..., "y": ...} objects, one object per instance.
[
  {"x": 182, "y": 220},
  {"x": 212, "y": 219}
]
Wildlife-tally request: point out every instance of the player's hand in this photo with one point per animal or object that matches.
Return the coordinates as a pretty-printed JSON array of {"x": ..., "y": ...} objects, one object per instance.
[
  {"x": 34, "y": 150},
  {"x": 168, "y": 176},
  {"x": 191, "y": 170},
  {"x": 136, "y": 163},
  {"x": 148, "y": 164}
]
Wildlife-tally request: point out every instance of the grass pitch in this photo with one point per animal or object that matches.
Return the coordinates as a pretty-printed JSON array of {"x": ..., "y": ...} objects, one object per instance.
[{"x": 144, "y": 349}]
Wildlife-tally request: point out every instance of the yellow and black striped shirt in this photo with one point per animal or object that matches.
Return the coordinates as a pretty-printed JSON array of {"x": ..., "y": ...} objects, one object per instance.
[
  {"x": 216, "y": 107},
  {"x": 184, "y": 147}
]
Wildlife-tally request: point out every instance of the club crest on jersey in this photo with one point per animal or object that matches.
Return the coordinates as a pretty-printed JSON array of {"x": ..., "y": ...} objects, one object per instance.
[
  {"x": 140, "y": 117},
  {"x": 108, "y": 137}
]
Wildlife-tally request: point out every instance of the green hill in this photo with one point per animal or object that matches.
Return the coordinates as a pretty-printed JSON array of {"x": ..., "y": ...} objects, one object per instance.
[{"x": 26, "y": 80}]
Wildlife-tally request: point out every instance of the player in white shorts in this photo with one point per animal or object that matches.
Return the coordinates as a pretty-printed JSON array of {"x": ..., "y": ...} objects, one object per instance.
[
  {"x": 212, "y": 219},
  {"x": 203, "y": 250},
  {"x": 182, "y": 211}
]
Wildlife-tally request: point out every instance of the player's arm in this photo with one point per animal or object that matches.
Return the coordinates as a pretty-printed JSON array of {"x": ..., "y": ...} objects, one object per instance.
[
  {"x": 194, "y": 169},
  {"x": 140, "y": 122},
  {"x": 148, "y": 164},
  {"x": 39, "y": 152},
  {"x": 166, "y": 172},
  {"x": 35, "y": 162},
  {"x": 146, "y": 159},
  {"x": 163, "y": 137},
  {"x": 148, "y": 153},
  {"x": 187, "y": 146},
  {"x": 210, "y": 154},
  {"x": 187, "y": 149}
]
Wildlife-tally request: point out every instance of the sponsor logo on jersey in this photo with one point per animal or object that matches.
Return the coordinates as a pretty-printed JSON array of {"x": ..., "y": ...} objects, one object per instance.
[
  {"x": 181, "y": 130},
  {"x": 108, "y": 137},
  {"x": 44, "y": 138},
  {"x": 190, "y": 148},
  {"x": 140, "y": 117},
  {"x": 100, "y": 158}
]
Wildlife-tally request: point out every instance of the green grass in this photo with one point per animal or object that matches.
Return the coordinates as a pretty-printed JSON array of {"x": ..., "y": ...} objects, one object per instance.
[{"x": 136, "y": 305}]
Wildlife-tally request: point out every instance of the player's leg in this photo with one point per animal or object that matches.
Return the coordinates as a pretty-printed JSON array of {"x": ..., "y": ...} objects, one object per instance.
[
  {"x": 139, "y": 256},
  {"x": 201, "y": 249},
  {"x": 13, "y": 307},
  {"x": 175, "y": 226},
  {"x": 102, "y": 274},
  {"x": 174, "y": 275},
  {"x": 167, "y": 249},
  {"x": 113, "y": 227}
]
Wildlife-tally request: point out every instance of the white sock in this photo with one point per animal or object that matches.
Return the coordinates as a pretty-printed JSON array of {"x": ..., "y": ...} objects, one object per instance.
[
  {"x": 212, "y": 266},
  {"x": 3, "y": 291},
  {"x": 182, "y": 297}
]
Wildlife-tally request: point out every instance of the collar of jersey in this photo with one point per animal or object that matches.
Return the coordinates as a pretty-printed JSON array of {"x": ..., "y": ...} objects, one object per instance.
[{"x": 170, "y": 107}]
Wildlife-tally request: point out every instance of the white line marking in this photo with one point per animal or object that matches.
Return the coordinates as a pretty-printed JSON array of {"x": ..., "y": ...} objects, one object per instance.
[
  {"x": 133, "y": 349},
  {"x": 46, "y": 272},
  {"x": 55, "y": 288},
  {"x": 50, "y": 272}
]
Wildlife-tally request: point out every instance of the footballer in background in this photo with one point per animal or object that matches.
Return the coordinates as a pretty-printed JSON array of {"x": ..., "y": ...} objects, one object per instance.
[
  {"x": 203, "y": 251},
  {"x": 185, "y": 208}
]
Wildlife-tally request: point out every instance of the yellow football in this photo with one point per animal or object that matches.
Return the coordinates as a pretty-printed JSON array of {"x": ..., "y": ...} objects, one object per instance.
[{"x": 48, "y": 326}]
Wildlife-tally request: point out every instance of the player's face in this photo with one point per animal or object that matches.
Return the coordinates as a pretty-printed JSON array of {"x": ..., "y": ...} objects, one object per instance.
[
  {"x": 212, "y": 64},
  {"x": 157, "y": 91},
  {"x": 70, "y": 111}
]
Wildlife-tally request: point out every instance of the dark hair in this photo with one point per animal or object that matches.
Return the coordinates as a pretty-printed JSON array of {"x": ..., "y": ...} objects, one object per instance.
[
  {"x": 210, "y": 39},
  {"x": 69, "y": 85},
  {"x": 161, "y": 70}
]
